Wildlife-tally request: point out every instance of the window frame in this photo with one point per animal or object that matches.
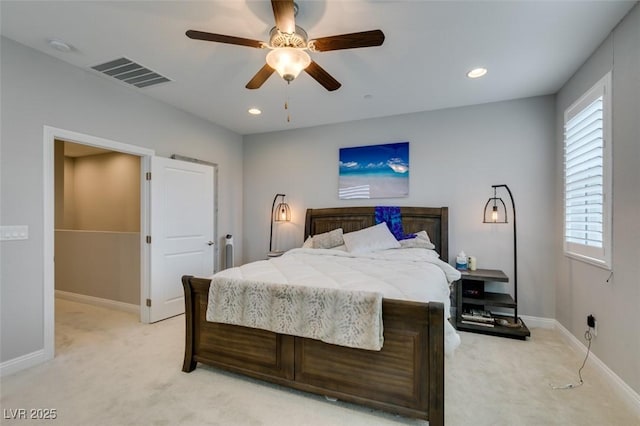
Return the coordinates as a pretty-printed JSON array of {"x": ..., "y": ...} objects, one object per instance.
[{"x": 600, "y": 257}]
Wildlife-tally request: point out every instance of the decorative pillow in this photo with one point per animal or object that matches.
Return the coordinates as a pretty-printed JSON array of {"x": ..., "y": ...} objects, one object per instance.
[
  {"x": 420, "y": 241},
  {"x": 329, "y": 239},
  {"x": 373, "y": 238},
  {"x": 423, "y": 235},
  {"x": 308, "y": 243},
  {"x": 416, "y": 243}
]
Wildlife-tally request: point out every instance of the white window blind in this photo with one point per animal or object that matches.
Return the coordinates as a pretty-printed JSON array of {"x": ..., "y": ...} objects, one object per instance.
[
  {"x": 587, "y": 182},
  {"x": 583, "y": 176}
]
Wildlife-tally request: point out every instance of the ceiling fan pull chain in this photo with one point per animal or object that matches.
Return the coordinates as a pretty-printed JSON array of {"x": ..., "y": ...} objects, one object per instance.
[{"x": 286, "y": 105}]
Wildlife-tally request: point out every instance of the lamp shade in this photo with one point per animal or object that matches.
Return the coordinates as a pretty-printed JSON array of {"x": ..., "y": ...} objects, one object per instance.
[
  {"x": 282, "y": 213},
  {"x": 288, "y": 61},
  {"x": 279, "y": 213},
  {"x": 495, "y": 211}
]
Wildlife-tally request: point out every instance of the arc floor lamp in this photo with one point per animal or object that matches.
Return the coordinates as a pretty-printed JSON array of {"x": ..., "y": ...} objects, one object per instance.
[
  {"x": 495, "y": 211},
  {"x": 281, "y": 213}
]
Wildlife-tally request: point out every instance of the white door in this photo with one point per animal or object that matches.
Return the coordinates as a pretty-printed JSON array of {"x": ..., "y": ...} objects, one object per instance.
[{"x": 182, "y": 216}]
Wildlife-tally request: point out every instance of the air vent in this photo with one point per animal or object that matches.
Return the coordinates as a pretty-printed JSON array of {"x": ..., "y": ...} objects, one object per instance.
[{"x": 130, "y": 72}]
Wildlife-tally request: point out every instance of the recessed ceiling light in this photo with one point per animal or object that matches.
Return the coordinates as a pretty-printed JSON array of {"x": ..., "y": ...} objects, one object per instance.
[
  {"x": 254, "y": 111},
  {"x": 477, "y": 72},
  {"x": 59, "y": 45}
]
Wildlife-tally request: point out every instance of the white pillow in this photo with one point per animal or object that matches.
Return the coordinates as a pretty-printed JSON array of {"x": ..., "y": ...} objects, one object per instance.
[{"x": 373, "y": 238}]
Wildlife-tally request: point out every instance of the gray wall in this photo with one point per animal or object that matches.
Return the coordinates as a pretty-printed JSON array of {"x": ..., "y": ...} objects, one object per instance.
[
  {"x": 39, "y": 90},
  {"x": 582, "y": 289},
  {"x": 455, "y": 157}
]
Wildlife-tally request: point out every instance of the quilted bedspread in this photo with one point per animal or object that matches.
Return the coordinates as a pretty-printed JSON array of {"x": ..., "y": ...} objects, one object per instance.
[
  {"x": 328, "y": 294},
  {"x": 346, "y": 318}
]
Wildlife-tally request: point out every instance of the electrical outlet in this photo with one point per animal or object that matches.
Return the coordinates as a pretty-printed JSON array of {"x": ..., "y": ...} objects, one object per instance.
[{"x": 593, "y": 324}]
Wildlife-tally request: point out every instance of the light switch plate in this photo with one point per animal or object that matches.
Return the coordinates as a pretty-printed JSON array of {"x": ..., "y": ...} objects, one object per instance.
[{"x": 15, "y": 232}]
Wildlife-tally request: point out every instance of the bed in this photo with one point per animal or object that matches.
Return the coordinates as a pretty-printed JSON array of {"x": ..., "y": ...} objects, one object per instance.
[{"x": 405, "y": 377}]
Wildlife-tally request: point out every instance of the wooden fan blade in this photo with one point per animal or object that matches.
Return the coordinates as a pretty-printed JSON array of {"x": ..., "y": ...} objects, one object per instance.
[
  {"x": 348, "y": 41},
  {"x": 260, "y": 77},
  {"x": 220, "y": 38},
  {"x": 283, "y": 11},
  {"x": 322, "y": 77}
]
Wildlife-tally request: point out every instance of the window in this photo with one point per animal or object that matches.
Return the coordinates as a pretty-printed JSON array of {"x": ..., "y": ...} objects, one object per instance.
[{"x": 587, "y": 176}]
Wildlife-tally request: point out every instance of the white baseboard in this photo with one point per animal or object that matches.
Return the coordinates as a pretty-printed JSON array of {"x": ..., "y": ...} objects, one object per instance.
[
  {"x": 624, "y": 390},
  {"x": 22, "y": 362},
  {"x": 38, "y": 357},
  {"x": 98, "y": 301},
  {"x": 538, "y": 322}
]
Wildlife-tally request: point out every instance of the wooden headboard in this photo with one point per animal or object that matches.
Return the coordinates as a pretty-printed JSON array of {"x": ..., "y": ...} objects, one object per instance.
[{"x": 434, "y": 220}]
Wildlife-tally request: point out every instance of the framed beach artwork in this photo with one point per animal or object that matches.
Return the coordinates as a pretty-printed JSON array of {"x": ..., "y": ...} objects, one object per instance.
[{"x": 374, "y": 171}]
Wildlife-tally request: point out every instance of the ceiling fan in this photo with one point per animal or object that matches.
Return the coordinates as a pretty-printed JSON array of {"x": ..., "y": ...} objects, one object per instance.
[{"x": 288, "y": 43}]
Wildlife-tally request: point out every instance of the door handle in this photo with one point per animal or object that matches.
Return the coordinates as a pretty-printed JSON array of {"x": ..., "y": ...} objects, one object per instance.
[{"x": 210, "y": 243}]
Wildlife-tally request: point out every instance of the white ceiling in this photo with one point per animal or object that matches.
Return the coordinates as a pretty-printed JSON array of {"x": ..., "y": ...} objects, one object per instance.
[{"x": 530, "y": 48}]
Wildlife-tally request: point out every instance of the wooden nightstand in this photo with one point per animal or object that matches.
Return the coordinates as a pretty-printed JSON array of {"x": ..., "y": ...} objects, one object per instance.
[{"x": 471, "y": 297}]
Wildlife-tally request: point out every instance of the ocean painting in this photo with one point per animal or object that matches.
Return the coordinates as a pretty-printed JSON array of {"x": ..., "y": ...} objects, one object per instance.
[{"x": 374, "y": 171}]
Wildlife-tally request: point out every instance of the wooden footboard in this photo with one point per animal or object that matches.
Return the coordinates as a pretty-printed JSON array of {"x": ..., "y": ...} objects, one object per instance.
[{"x": 405, "y": 377}]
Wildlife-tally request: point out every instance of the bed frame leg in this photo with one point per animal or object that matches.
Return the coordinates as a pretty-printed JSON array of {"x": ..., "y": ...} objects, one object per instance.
[
  {"x": 188, "y": 366},
  {"x": 189, "y": 363}
]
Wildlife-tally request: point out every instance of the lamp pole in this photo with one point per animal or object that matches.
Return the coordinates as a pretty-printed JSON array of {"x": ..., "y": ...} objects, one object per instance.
[
  {"x": 273, "y": 206},
  {"x": 515, "y": 249}
]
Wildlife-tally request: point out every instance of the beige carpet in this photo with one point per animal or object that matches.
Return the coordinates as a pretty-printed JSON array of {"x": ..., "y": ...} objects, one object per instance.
[{"x": 111, "y": 370}]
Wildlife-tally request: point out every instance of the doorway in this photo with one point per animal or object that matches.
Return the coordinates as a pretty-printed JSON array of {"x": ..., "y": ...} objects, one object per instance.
[
  {"x": 178, "y": 204},
  {"x": 97, "y": 226},
  {"x": 51, "y": 134}
]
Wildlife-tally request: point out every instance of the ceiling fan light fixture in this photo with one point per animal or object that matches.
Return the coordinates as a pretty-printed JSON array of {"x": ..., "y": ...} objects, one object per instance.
[{"x": 288, "y": 61}]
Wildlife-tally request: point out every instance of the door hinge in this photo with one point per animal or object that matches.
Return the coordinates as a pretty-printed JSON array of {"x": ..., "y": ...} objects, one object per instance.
[
  {"x": 148, "y": 176},
  {"x": 148, "y": 239},
  {"x": 149, "y": 302}
]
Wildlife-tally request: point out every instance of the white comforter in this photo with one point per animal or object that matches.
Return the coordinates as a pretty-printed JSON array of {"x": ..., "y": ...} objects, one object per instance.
[{"x": 407, "y": 274}]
